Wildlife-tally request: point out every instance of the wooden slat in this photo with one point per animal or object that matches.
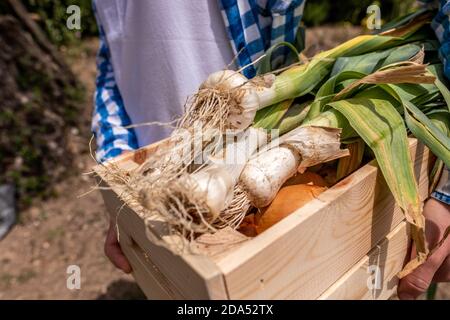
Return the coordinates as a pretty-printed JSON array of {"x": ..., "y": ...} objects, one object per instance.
[
  {"x": 386, "y": 259},
  {"x": 300, "y": 257},
  {"x": 184, "y": 277},
  {"x": 138, "y": 156},
  {"x": 142, "y": 271},
  {"x": 304, "y": 254}
]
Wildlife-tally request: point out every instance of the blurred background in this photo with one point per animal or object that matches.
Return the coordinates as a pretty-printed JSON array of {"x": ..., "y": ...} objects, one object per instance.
[{"x": 49, "y": 218}]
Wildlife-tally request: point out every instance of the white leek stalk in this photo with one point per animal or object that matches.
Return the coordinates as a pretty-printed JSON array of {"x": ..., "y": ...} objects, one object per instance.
[
  {"x": 246, "y": 96},
  {"x": 303, "y": 147},
  {"x": 215, "y": 183}
]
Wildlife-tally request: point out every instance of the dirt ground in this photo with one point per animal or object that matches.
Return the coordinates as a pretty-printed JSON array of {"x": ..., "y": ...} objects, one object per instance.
[
  {"x": 67, "y": 230},
  {"x": 70, "y": 230}
]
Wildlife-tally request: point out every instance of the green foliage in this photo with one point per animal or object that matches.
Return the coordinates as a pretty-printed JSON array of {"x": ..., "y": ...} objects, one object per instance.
[
  {"x": 51, "y": 15},
  {"x": 40, "y": 108},
  {"x": 353, "y": 11}
]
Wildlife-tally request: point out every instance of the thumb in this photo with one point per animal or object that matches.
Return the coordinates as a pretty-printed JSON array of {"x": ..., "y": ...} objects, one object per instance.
[{"x": 417, "y": 282}]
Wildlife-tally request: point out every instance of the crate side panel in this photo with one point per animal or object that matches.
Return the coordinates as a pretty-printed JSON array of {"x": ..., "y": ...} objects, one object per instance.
[
  {"x": 143, "y": 273},
  {"x": 303, "y": 255},
  {"x": 193, "y": 276},
  {"x": 374, "y": 277}
]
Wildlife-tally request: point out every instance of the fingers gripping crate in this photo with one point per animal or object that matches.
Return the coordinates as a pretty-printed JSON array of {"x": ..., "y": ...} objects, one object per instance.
[{"x": 348, "y": 243}]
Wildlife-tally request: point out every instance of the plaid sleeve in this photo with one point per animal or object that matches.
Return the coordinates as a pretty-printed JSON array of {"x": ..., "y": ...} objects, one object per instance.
[
  {"x": 110, "y": 117},
  {"x": 255, "y": 25},
  {"x": 442, "y": 192},
  {"x": 441, "y": 27}
]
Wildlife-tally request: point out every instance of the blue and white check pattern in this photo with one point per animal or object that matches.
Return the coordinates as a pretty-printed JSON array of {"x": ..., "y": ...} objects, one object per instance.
[
  {"x": 441, "y": 26},
  {"x": 253, "y": 26},
  {"x": 110, "y": 117},
  {"x": 442, "y": 192}
]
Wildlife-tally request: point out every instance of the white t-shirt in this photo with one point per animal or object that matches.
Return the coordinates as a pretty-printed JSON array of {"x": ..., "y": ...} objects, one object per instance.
[{"x": 161, "y": 51}]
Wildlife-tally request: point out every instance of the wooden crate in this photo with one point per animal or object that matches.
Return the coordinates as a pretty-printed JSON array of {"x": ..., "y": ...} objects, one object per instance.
[{"x": 327, "y": 249}]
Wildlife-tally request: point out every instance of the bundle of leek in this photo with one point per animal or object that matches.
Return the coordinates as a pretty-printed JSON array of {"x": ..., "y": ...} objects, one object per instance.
[{"x": 371, "y": 89}]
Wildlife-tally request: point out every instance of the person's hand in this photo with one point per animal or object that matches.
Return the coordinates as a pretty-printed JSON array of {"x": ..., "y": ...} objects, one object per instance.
[
  {"x": 112, "y": 246},
  {"x": 113, "y": 250},
  {"x": 437, "y": 266}
]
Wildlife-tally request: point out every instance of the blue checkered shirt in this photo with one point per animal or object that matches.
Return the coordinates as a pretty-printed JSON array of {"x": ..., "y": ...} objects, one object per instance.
[
  {"x": 253, "y": 26},
  {"x": 110, "y": 118}
]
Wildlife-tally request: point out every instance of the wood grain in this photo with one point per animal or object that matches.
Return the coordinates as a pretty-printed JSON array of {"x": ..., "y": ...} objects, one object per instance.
[
  {"x": 384, "y": 261},
  {"x": 182, "y": 277},
  {"x": 304, "y": 254},
  {"x": 298, "y": 258},
  {"x": 143, "y": 271}
]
